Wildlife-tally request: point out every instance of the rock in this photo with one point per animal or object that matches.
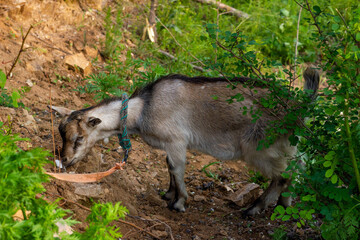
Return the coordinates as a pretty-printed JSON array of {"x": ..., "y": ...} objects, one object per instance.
[
  {"x": 96, "y": 4},
  {"x": 90, "y": 52},
  {"x": 29, "y": 121},
  {"x": 160, "y": 234},
  {"x": 247, "y": 194},
  {"x": 78, "y": 61},
  {"x": 63, "y": 228},
  {"x": 88, "y": 189},
  {"x": 79, "y": 46},
  {"x": 29, "y": 83},
  {"x": 199, "y": 198}
]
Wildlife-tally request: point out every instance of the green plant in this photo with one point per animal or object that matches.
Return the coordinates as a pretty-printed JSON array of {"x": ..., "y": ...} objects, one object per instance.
[
  {"x": 258, "y": 178},
  {"x": 5, "y": 99},
  {"x": 103, "y": 215},
  {"x": 113, "y": 33},
  {"x": 329, "y": 186},
  {"x": 208, "y": 172},
  {"x": 280, "y": 233},
  {"x": 21, "y": 178}
]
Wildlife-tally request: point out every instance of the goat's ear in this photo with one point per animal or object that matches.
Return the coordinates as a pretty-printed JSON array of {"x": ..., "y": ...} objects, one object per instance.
[
  {"x": 93, "y": 121},
  {"x": 61, "y": 110}
]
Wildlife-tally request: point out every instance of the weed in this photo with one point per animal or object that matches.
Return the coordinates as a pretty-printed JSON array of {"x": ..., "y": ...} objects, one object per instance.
[
  {"x": 208, "y": 172},
  {"x": 258, "y": 178},
  {"x": 280, "y": 233}
]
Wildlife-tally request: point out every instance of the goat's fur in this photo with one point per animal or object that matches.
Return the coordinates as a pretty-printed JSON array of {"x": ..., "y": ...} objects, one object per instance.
[{"x": 176, "y": 113}]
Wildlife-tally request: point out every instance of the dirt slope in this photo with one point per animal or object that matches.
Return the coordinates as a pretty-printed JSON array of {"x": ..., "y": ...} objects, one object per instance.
[{"x": 67, "y": 28}]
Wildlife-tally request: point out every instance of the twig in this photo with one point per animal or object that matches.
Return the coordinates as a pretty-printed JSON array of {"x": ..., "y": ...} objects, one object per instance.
[
  {"x": 234, "y": 11},
  {"x": 119, "y": 220},
  {"x": 20, "y": 51},
  {"x": 343, "y": 19},
  {"x": 167, "y": 29},
  {"x": 296, "y": 45},
  {"x": 156, "y": 220},
  {"x": 48, "y": 45},
  {"x": 175, "y": 58},
  {"x": 52, "y": 127}
]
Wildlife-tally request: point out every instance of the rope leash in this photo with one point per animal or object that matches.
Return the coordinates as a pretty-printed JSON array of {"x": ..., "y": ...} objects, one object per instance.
[{"x": 124, "y": 140}]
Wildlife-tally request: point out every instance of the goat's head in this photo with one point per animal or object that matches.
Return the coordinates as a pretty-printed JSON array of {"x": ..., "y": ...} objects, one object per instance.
[{"x": 78, "y": 132}]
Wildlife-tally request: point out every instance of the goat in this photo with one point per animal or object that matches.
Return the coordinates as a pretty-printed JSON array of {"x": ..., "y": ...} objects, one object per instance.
[{"x": 176, "y": 113}]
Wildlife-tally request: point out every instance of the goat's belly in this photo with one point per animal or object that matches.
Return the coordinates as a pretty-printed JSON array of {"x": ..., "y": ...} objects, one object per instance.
[{"x": 219, "y": 151}]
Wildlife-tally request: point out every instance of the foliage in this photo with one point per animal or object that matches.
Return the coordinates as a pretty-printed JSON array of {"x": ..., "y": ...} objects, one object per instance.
[
  {"x": 5, "y": 99},
  {"x": 21, "y": 178},
  {"x": 122, "y": 77},
  {"x": 113, "y": 34},
  {"x": 208, "y": 172},
  {"x": 328, "y": 141},
  {"x": 272, "y": 25},
  {"x": 258, "y": 178},
  {"x": 102, "y": 215}
]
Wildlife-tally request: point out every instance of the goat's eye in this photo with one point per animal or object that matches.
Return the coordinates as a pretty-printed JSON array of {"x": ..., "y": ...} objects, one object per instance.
[{"x": 78, "y": 142}]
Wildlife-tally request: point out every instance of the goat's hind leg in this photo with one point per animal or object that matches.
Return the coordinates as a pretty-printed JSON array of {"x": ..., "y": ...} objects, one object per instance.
[
  {"x": 171, "y": 192},
  {"x": 277, "y": 186},
  {"x": 176, "y": 194}
]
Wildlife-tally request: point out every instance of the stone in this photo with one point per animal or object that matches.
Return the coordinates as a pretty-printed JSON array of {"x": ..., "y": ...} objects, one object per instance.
[
  {"x": 29, "y": 83},
  {"x": 29, "y": 121},
  {"x": 91, "y": 52},
  {"x": 246, "y": 195},
  {"x": 199, "y": 198},
  {"x": 88, "y": 189},
  {"x": 78, "y": 61}
]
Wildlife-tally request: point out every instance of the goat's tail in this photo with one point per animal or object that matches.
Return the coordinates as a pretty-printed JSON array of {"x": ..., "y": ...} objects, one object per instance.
[{"x": 312, "y": 80}]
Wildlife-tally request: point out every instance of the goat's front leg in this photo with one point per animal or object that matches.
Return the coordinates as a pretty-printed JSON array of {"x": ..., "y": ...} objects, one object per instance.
[
  {"x": 176, "y": 194},
  {"x": 277, "y": 186}
]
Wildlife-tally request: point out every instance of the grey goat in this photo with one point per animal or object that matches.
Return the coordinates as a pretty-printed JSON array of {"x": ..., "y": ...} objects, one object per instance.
[{"x": 176, "y": 113}]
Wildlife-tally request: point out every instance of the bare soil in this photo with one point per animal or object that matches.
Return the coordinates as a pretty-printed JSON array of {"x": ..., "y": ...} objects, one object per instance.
[{"x": 65, "y": 28}]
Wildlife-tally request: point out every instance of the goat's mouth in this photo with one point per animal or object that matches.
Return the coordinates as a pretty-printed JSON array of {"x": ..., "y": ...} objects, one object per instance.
[{"x": 69, "y": 163}]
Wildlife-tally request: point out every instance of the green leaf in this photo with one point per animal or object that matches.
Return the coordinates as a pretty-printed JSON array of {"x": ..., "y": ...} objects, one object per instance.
[
  {"x": 337, "y": 19},
  {"x": 289, "y": 210},
  {"x": 357, "y": 36},
  {"x": 298, "y": 225},
  {"x": 286, "y": 194},
  {"x": 334, "y": 179},
  {"x": 2, "y": 79},
  {"x": 329, "y": 111},
  {"x": 285, "y": 175},
  {"x": 317, "y": 9},
  {"x": 15, "y": 96},
  {"x": 286, "y": 217},
  {"x": 329, "y": 172},
  {"x": 330, "y": 155},
  {"x": 327, "y": 164},
  {"x": 339, "y": 99},
  {"x": 335, "y": 26},
  {"x": 280, "y": 209}
]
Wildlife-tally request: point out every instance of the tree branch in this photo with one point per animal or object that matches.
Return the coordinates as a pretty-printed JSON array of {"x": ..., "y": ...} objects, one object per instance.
[{"x": 223, "y": 6}]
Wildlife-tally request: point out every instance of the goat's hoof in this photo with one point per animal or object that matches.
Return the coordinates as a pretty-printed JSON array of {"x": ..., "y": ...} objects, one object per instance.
[
  {"x": 178, "y": 206},
  {"x": 169, "y": 196},
  {"x": 251, "y": 211}
]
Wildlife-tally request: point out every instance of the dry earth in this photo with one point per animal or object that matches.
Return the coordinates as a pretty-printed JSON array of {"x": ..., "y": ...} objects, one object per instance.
[{"x": 66, "y": 29}]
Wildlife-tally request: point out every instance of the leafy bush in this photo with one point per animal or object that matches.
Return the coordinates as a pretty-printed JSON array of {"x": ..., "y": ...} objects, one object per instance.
[
  {"x": 5, "y": 99},
  {"x": 328, "y": 142},
  {"x": 21, "y": 178}
]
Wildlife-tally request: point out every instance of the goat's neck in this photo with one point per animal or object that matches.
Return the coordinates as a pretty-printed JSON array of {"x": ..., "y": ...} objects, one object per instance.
[{"x": 110, "y": 117}]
